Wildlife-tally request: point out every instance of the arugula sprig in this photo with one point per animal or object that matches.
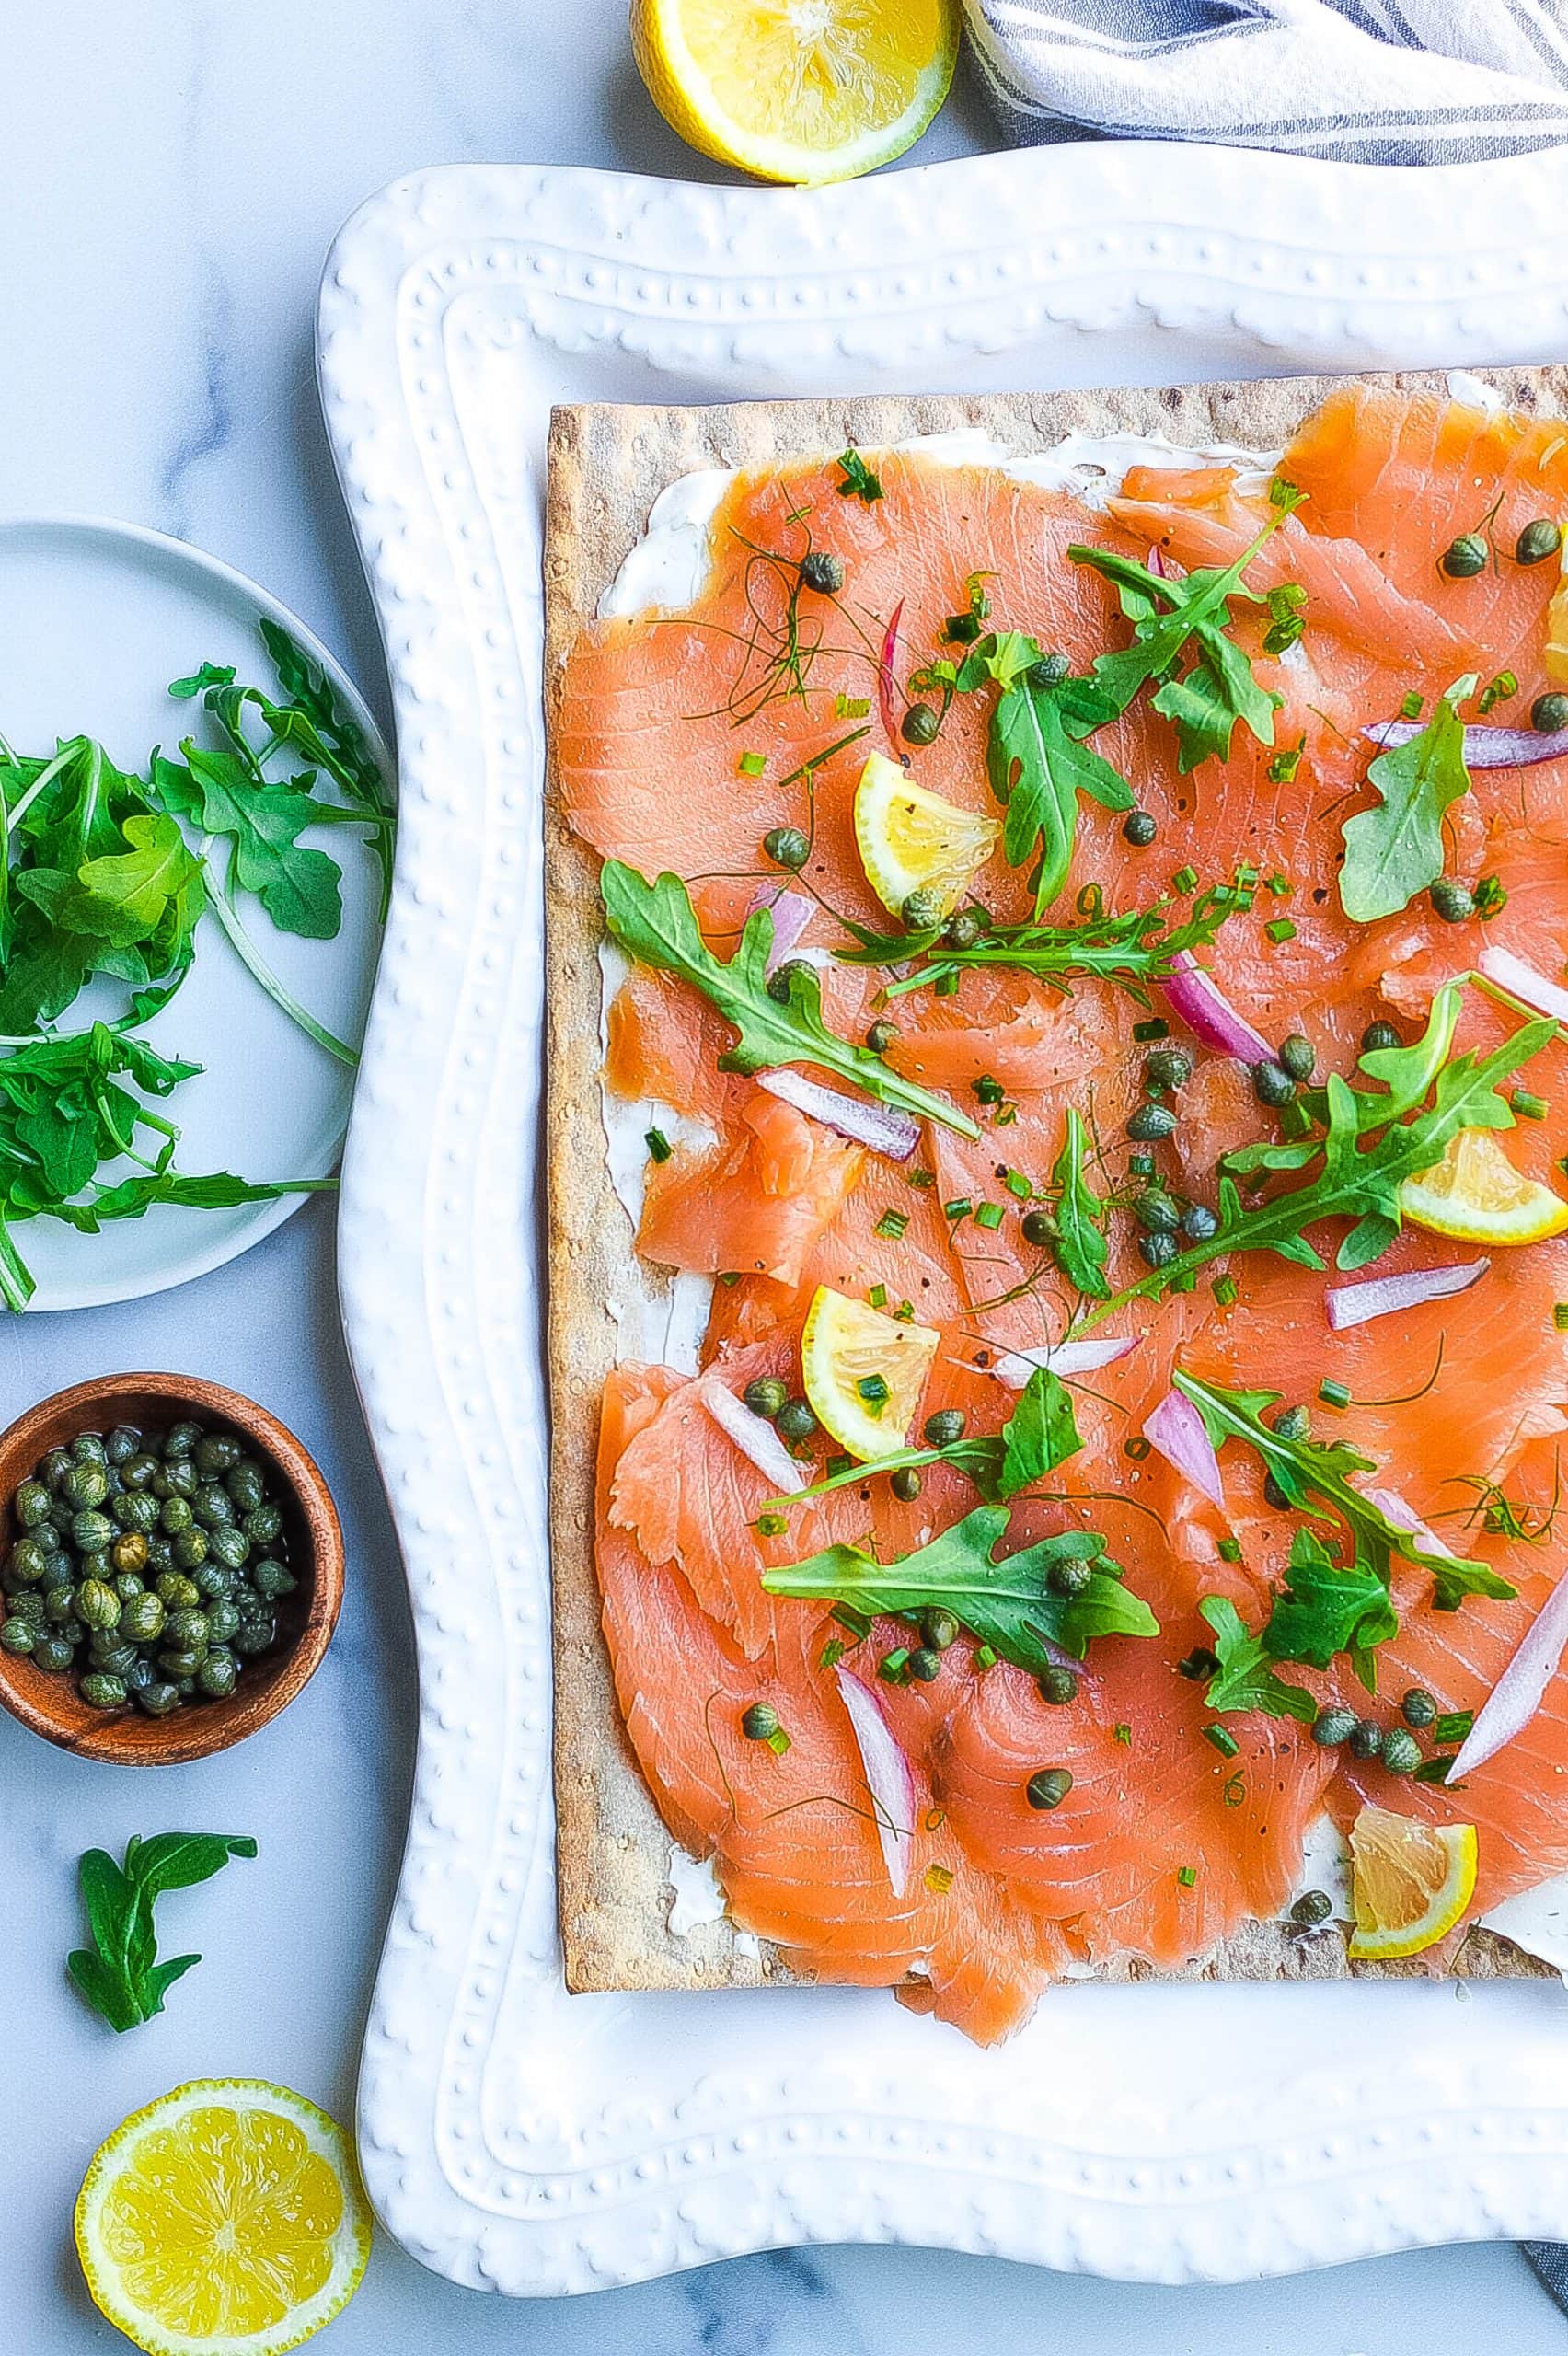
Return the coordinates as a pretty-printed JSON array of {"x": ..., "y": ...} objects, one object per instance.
[
  {"x": 1136, "y": 951},
  {"x": 1041, "y": 1434},
  {"x": 119, "y": 1974},
  {"x": 656, "y": 924},
  {"x": 1246, "y": 1678},
  {"x": 1006, "y": 1604},
  {"x": 1363, "y": 1143},
  {"x": 1395, "y": 851}
]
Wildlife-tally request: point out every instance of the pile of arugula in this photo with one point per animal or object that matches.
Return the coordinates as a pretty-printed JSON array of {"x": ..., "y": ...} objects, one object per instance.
[{"x": 105, "y": 877}]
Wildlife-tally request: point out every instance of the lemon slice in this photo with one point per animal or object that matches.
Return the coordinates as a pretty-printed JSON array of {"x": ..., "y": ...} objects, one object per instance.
[
  {"x": 910, "y": 841},
  {"x": 1411, "y": 1882},
  {"x": 1475, "y": 1193},
  {"x": 863, "y": 1372},
  {"x": 226, "y": 2217},
  {"x": 797, "y": 90}
]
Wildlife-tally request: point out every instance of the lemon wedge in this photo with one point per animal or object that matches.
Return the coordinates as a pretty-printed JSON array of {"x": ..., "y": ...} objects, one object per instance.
[
  {"x": 863, "y": 1372},
  {"x": 1554, "y": 657},
  {"x": 227, "y": 2216},
  {"x": 1411, "y": 1882},
  {"x": 910, "y": 841},
  {"x": 1476, "y": 1194},
  {"x": 802, "y": 90}
]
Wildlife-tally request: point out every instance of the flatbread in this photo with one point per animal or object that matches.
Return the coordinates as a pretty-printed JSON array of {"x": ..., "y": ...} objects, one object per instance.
[{"x": 608, "y": 465}]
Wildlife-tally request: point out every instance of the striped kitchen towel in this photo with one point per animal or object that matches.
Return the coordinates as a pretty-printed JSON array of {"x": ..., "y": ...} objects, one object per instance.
[{"x": 1365, "y": 81}]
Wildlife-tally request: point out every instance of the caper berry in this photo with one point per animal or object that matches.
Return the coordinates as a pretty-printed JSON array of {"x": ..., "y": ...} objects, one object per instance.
[
  {"x": 906, "y": 1485},
  {"x": 1049, "y": 1788},
  {"x": 263, "y": 1526},
  {"x": 1049, "y": 671},
  {"x": 137, "y": 1471},
  {"x": 766, "y": 1396},
  {"x": 1271, "y": 1084},
  {"x": 1538, "y": 541},
  {"x": 1038, "y": 1228},
  {"x": 271, "y": 1579},
  {"x": 1313, "y": 1907},
  {"x": 256, "y": 1634},
  {"x": 943, "y": 1427},
  {"x": 758, "y": 1721},
  {"x": 101, "y": 1692},
  {"x": 1365, "y": 1739},
  {"x": 795, "y": 1421},
  {"x": 1298, "y": 1056},
  {"x": 1419, "y": 1709},
  {"x": 920, "y": 724},
  {"x": 1150, "y": 1122},
  {"x": 1168, "y": 1067},
  {"x": 964, "y": 929},
  {"x": 177, "y": 1593},
  {"x": 174, "y": 1515},
  {"x": 1465, "y": 557},
  {"x": 925, "y": 1664},
  {"x": 218, "y": 1676},
  {"x": 1401, "y": 1752},
  {"x": 31, "y": 1504},
  {"x": 1139, "y": 827},
  {"x": 1158, "y": 1211},
  {"x": 85, "y": 1487},
  {"x": 54, "y": 1653},
  {"x": 1071, "y": 1576},
  {"x": 1453, "y": 901},
  {"x": 1330, "y": 1727},
  {"x": 157, "y": 1698},
  {"x": 1377, "y": 1036},
  {"x": 940, "y": 1630},
  {"x": 881, "y": 1036},
  {"x": 97, "y": 1604},
  {"x": 1158, "y": 1251},
  {"x": 823, "y": 573},
  {"x": 142, "y": 1618},
  {"x": 922, "y": 911},
  {"x": 787, "y": 847},
  {"x": 18, "y": 1635},
  {"x": 1549, "y": 713},
  {"x": 1058, "y": 1685}
]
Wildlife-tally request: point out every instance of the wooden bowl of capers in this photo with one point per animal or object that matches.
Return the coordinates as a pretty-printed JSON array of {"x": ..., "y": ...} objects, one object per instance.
[{"x": 171, "y": 1568}]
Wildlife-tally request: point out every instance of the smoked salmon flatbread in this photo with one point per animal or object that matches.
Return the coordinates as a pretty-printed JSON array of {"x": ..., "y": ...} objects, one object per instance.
[{"x": 1057, "y": 915}]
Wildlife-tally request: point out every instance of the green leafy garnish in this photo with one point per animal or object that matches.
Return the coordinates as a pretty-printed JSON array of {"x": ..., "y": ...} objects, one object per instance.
[
  {"x": 1136, "y": 951},
  {"x": 856, "y": 480},
  {"x": 1080, "y": 1215},
  {"x": 119, "y": 1974},
  {"x": 1395, "y": 851},
  {"x": 1007, "y": 1604},
  {"x": 1246, "y": 1678},
  {"x": 1041, "y": 1434},
  {"x": 1328, "y": 1607},
  {"x": 656, "y": 923}
]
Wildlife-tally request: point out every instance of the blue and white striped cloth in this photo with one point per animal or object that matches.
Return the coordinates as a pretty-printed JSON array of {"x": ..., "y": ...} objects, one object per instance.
[{"x": 1363, "y": 81}]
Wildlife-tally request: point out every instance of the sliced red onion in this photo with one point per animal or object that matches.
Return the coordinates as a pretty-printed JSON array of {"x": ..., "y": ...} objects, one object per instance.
[
  {"x": 1511, "y": 973},
  {"x": 756, "y": 1439},
  {"x": 1516, "y": 1696},
  {"x": 1380, "y": 1296},
  {"x": 1195, "y": 996},
  {"x": 887, "y": 685},
  {"x": 791, "y": 913},
  {"x": 880, "y": 1126},
  {"x": 1066, "y": 1358},
  {"x": 1486, "y": 748},
  {"x": 1176, "y": 1429},
  {"x": 1393, "y": 1507},
  {"x": 889, "y": 1778}
]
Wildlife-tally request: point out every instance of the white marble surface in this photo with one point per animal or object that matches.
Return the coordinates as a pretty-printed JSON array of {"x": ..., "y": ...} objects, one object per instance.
[{"x": 170, "y": 179}]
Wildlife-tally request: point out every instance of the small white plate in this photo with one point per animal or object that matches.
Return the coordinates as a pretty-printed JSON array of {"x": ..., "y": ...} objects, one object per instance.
[{"x": 96, "y": 619}]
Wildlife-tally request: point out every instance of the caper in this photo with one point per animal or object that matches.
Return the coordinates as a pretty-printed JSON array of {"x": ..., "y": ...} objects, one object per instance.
[
  {"x": 179, "y": 1479},
  {"x": 160, "y": 1554},
  {"x": 925, "y": 1664},
  {"x": 87, "y": 1448},
  {"x": 139, "y": 1673},
  {"x": 1419, "y": 1709},
  {"x": 142, "y": 1618},
  {"x": 84, "y": 1486},
  {"x": 963, "y": 929},
  {"x": 263, "y": 1526},
  {"x": 787, "y": 847},
  {"x": 1294, "y": 1424},
  {"x": 759, "y": 1720},
  {"x": 922, "y": 910},
  {"x": 60, "y": 1604},
  {"x": 54, "y": 1653},
  {"x": 186, "y": 1630},
  {"x": 174, "y": 1515},
  {"x": 31, "y": 1504},
  {"x": 1313, "y": 1907},
  {"x": 27, "y": 1561},
  {"x": 1168, "y": 1067},
  {"x": 1199, "y": 1222},
  {"x": 794, "y": 1420},
  {"x": 940, "y": 1630},
  {"x": 218, "y": 1676},
  {"x": 1048, "y": 671},
  {"x": 254, "y": 1635},
  {"x": 1549, "y": 713},
  {"x": 127, "y": 1585},
  {"x": 1538, "y": 541},
  {"x": 1453, "y": 901},
  {"x": 97, "y": 1564},
  {"x": 1465, "y": 557},
  {"x": 1157, "y": 1210},
  {"x": 190, "y": 1549},
  {"x": 766, "y": 1396},
  {"x": 1140, "y": 828},
  {"x": 180, "y": 1440},
  {"x": 212, "y": 1504},
  {"x": 178, "y": 1664},
  {"x": 1366, "y": 1738},
  {"x": 223, "y": 1620},
  {"x": 18, "y": 1635},
  {"x": 1038, "y": 1228},
  {"x": 1274, "y": 1496},
  {"x": 246, "y": 1484},
  {"x": 920, "y": 724},
  {"x": 157, "y": 1698},
  {"x": 780, "y": 982},
  {"x": 270, "y": 1578},
  {"x": 214, "y": 1578},
  {"x": 109, "y": 1651},
  {"x": 1049, "y": 1788},
  {"x": 906, "y": 1485},
  {"x": 122, "y": 1444},
  {"x": 134, "y": 1509},
  {"x": 881, "y": 1036},
  {"x": 129, "y": 1551},
  {"x": 177, "y": 1593},
  {"x": 1401, "y": 1752},
  {"x": 1150, "y": 1122},
  {"x": 1199, "y": 1665},
  {"x": 1058, "y": 1685},
  {"x": 1158, "y": 1251},
  {"x": 54, "y": 1467},
  {"x": 1298, "y": 1056},
  {"x": 1071, "y": 1576},
  {"x": 97, "y": 1604},
  {"x": 943, "y": 1427},
  {"x": 1377, "y": 1036},
  {"x": 1332, "y": 1727},
  {"x": 822, "y": 573},
  {"x": 215, "y": 1453},
  {"x": 1271, "y": 1084},
  {"x": 137, "y": 1471}
]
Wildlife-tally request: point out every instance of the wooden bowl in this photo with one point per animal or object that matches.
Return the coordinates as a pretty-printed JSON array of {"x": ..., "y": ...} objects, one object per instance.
[{"x": 49, "y": 1702}]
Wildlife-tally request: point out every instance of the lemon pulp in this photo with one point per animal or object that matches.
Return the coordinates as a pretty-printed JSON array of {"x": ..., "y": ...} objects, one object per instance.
[
  {"x": 1411, "y": 1882},
  {"x": 910, "y": 841},
  {"x": 1476, "y": 1195},
  {"x": 862, "y": 1372}
]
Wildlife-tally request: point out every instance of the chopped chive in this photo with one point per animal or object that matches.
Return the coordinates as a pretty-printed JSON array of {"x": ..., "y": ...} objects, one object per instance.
[
  {"x": 1280, "y": 885},
  {"x": 1123, "y": 1734},
  {"x": 778, "y": 1742},
  {"x": 988, "y": 1215},
  {"x": 1235, "y": 1791},
  {"x": 1528, "y": 1107},
  {"x": 1224, "y": 1290},
  {"x": 891, "y": 1225},
  {"x": 1285, "y": 764},
  {"x": 1142, "y": 1166},
  {"x": 987, "y": 1089},
  {"x": 1184, "y": 880},
  {"x": 1186, "y": 1876},
  {"x": 985, "y": 1658},
  {"x": 1136, "y": 1448},
  {"x": 658, "y": 1144},
  {"x": 1280, "y": 928},
  {"x": 1156, "y": 1027},
  {"x": 905, "y": 1312},
  {"x": 1435, "y": 1770},
  {"x": 960, "y": 1207},
  {"x": 1006, "y": 1115},
  {"x": 946, "y": 985},
  {"x": 1229, "y": 1549},
  {"x": 1559, "y": 1316},
  {"x": 857, "y": 1622},
  {"x": 1184, "y": 1280},
  {"x": 752, "y": 764},
  {"x": 878, "y": 1295},
  {"x": 920, "y": 1177},
  {"x": 1496, "y": 691},
  {"x": 837, "y": 1465},
  {"x": 1017, "y": 1184},
  {"x": 771, "y": 1525},
  {"x": 729, "y": 1276},
  {"x": 852, "y": 707},
  {"x": 1332, "y": 1393},
  {"x": 1410, "y": 708},
  {"x": 873, "y": 1390},
  {"x": 893, "y": 1667},
  {"x": 832, "y": 1653},
  {"x": 939, "y": 1878},
  {"x": 1223, "y": 1742},
  {"x": 1454, "y": 1725},
  {"x": 1491, "y": 897}
]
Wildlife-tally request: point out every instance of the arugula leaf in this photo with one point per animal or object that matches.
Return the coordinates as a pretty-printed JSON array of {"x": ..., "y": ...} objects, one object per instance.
[
  {"x": 1037, "y": 771},
  {"x": 857, "y": 480},
  {"x": 1080, "y": 1215},
  {"x": 299, "y": 888},
  {"x": 1328, "y": 1607},
  {"x": 1133, "y": 951},
  {"x": 1007, "y": 1604},
  {"x": 1246, "y": 1678},
  {"x": 656, "y": 924},
  {"x": 124, "y": 897},
  {"x": 119, "y": 1975},
  {"x": 1395, "y": 851},
  {"x": 1041, "y": 1433}
]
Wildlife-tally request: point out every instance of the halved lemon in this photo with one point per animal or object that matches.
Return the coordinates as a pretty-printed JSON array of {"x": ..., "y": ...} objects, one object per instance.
[
  {"x": 1410, "y": 1882},
  {"x": 1476, "y": 1194},
  {"x": 910, "y": 841},
  {"x": 863, "y": 1372},
  {"x": 800, "y": 90},
  {"x": 227, "y": 2218}
]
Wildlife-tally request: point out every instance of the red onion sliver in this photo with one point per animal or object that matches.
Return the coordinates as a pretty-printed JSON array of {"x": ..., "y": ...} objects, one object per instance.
[
  {"x": 1511, "y": 973},
  {"x": 1486, "y": 748},
  {"x": 756, "y": 1439},
  {"x": 880, "y": 1126},
  {"x": 791, "y": 914},
  {"x": 1393, "y": 1507},
  {"x": 1066, "y": 1358},
  {"x": 1380, "y": 1296},
  {"x": 889, "y": 1778},
  {"x": 887, "y": 686},
  {"x": 1192, "y": 994},
  {"x": 1176, "y": 1429},
  {"x": 1516, "y": 1696}
]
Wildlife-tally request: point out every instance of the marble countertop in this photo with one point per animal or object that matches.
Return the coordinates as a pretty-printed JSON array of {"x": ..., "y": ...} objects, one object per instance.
[{"x": 169, "y": 181}]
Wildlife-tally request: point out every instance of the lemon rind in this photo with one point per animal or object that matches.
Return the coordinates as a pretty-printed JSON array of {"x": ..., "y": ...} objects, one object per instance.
[{"x": 865, "y": 1436}]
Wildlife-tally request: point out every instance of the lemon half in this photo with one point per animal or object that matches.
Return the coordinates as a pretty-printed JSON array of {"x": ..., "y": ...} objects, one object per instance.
[
  {"x": 863, "y": 1372},
  {"x": 910, "y": 841},
  {"x": 1476, "y": 1194},
  {"x": 798, "y": 90},
  {"x": 1411, "y": 1882},
  {"x": 227, "y": 2218}
]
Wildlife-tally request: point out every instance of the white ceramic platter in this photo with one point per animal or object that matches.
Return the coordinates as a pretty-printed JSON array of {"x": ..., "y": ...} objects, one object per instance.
[
  {"x": 96, "y": 619},
  {"x": 511, "y": 2135}
]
